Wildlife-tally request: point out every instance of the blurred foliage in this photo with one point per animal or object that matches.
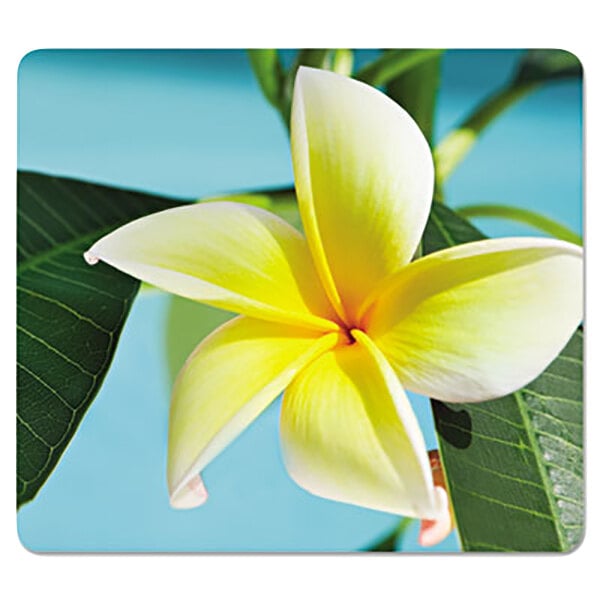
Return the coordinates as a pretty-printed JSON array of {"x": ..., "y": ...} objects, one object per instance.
[
  {"x": 521, "y": 215},
  {"x": 536, "y": 68},
  {"x": 392, "y": 541},
  {"x": 277, "y": 83},
  {"x": 416, "y": 91}
]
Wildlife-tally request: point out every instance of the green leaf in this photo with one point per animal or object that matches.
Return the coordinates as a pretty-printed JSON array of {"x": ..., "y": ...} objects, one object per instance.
[
  {"x": 277, "y": 84},
  {"x": 342, "y": 61},
  {"x": 319, "y": 58},
  {"x": 394, "y": 63},
  {"x": 69, "y": 315},
  {"x": 392, "y": 540},
  {"x": 269, "y": 73},
  {"x": 281, "y": 201},
  {"x": 521, "y": 215},
  {"x": 514, "y": 466},
  {"x": 548, "y": 65},
  {"x": 188, "y": 323},
  {"x": 537, "y": 67},
  {"x": 416, "y": 91}
]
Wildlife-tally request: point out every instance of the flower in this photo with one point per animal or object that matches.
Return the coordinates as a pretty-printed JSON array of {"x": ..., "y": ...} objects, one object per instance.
[
  {"x": 433, "y": 531},
  {"x": 341, "y": 319}
]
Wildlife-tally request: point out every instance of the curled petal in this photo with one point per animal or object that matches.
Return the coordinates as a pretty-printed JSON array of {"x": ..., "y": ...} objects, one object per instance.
[
  {"x": 231, "y": 377},
  {"x": 349, "y": 434},
  {"x": 480, "y": 320},
  {"x": 364, "y": 180},
  {"x": 192, "y": 494},
  {"x": 434, "y": 531},
  {"x": 232, "y": 256}
]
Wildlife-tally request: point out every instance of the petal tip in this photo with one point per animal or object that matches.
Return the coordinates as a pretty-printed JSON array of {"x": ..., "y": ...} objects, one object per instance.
[
  {"x": 90, "y": 258},
  {"x": 304, "y": 71},
  {"x": 190, "y": 495},
  {"x": 433, "y": 531},
  {"x": 307, "y": 74}
]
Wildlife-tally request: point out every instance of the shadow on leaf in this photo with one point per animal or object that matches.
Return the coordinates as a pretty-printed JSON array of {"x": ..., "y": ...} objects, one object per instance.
[{"x": 454, "y": 426}]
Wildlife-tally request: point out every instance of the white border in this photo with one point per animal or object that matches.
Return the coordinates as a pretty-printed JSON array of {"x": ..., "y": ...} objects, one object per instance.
[{"x": 371, "y": 23}]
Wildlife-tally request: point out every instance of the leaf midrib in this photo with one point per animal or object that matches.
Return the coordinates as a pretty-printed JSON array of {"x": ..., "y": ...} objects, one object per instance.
[
  {"x": 445, "y": 233},
  {"x": 529, "y": 431},
  {"x": 72, "y": 244},
  {"x": 541, "y": 468}
]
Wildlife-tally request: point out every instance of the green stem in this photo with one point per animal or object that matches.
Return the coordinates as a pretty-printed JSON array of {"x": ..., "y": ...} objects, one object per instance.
[
  {"x": 309, "y": 57},
  {"x": 268, "y": 72},
  {"x": 394, "y": 63},
  {"x": 521, "y": 215},
  {"x": 454, "y": 147}
]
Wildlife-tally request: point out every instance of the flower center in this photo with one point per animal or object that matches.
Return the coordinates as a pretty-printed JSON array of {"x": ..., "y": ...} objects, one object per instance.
[{"x": 347, "y": 332}]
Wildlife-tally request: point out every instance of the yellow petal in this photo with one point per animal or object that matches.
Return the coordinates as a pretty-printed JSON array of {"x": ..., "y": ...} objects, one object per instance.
[
  {"x": 364, "y": 180},
  {"x": 229, "y": 379},
  {"x": 480, "y": 320},
  {"x": 349, "y": 434},
  {"x": 232, "y": 256}
]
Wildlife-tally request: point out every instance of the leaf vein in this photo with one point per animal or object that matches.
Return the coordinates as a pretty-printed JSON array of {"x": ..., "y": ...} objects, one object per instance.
[
  {"x": 64, "y": 307},
  {"x": 495, "y": 416},
  {"x": 36, "y": 435},
  {"x": 76, "y": 283},
  {"x": 45, "y": 384},
  {"x": 486, "y": 437},
  {"x": 35, "y": 226},
  {"x": 55, "y": 351},
  {"x": 552, "y": 417},
  {"x": 508, "y": 505},
  {"x": 82, "y": 203},
  {"x": 548, "y": 397},
  {"x": 503, "y": 475},
  {"x": 56, "y": 216}
]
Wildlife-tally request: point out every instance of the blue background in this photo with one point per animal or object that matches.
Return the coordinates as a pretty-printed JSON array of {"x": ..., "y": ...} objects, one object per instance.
[{"x": 190, "y": 123}]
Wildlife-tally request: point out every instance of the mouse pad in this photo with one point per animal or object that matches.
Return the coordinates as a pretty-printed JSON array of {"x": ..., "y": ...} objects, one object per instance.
[{"x": 316, "y": 300}]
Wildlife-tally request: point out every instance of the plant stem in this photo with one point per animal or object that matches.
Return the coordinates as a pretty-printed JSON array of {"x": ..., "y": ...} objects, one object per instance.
[
  {"x": 522, "y": 215},
  {"x": 392, "y": 64},
  {"x": 455, "y": 146}
]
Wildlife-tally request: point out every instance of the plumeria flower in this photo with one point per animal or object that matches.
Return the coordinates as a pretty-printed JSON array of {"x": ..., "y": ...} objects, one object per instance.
[
  {"x": 340, "y": 318},
  {"x": 435, "y": 530}
]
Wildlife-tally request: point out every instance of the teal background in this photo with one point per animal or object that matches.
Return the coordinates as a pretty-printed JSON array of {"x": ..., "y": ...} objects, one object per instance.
[{"x": 190, "y": 123}]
